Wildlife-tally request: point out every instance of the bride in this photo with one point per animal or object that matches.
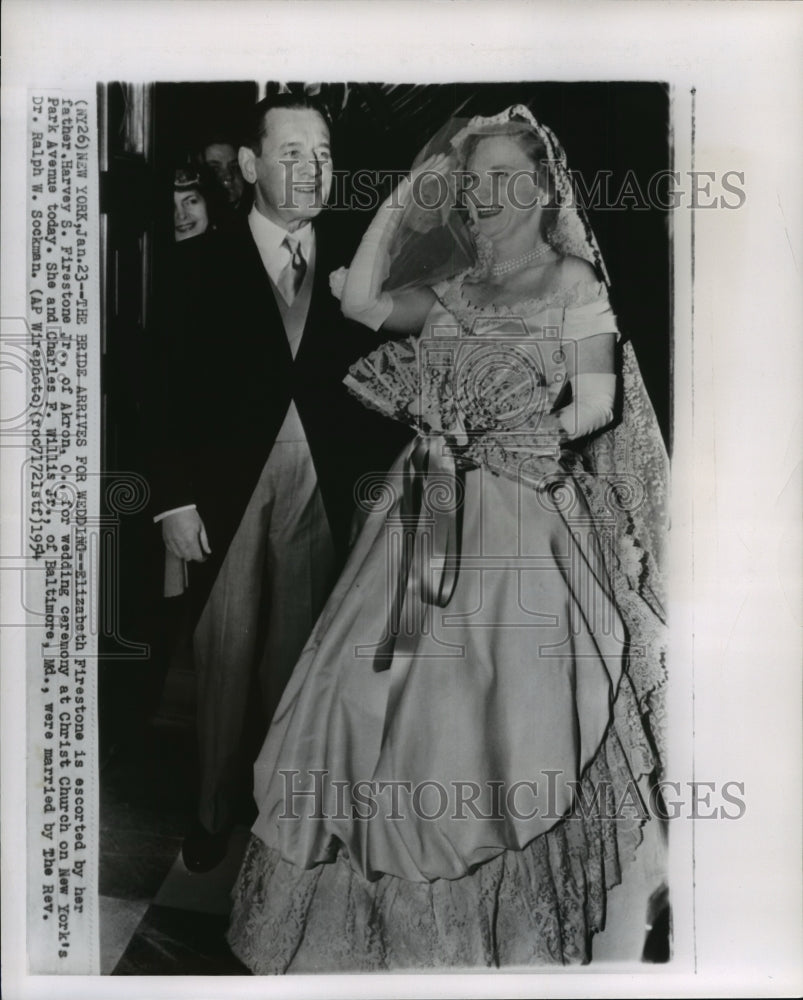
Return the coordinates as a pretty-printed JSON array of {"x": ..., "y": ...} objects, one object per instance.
[{"x": 460, "y": 766}]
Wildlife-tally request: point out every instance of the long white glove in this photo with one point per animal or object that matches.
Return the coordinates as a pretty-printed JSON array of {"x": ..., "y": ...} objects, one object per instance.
[
  {"x": 591, "y": 408},
  {"x": 363, "y": 299}
]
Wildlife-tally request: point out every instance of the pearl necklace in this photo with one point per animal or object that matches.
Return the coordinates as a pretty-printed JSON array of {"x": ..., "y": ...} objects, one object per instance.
[{"x": 515, "y": 263}]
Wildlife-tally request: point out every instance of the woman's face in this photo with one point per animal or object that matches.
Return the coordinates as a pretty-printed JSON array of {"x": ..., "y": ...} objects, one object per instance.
[
  {"x": 505, "y": 193},
  {"x": 190, "y": 217}
]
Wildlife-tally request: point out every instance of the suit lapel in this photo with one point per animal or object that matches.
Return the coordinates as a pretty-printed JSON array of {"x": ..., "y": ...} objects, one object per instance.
[
  {"x": 318, "y": 299},
  {"x": 266, "y": 311}
]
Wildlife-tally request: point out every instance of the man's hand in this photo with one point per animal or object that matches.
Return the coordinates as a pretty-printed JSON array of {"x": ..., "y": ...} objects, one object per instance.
[{"x": 185, "y": 536}]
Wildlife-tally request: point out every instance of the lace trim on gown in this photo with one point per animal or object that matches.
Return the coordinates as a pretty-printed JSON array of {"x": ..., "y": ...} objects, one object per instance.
[{"x": 452, "y": 295}]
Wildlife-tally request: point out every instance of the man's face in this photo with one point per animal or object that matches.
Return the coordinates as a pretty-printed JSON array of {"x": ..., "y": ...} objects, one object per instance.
[
  {"x": 221, "y": 158},
  {"x": 293, "y": 172}
]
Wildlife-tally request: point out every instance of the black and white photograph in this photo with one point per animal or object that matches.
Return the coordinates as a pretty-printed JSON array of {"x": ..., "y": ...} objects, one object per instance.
[
  {"x": 384, "y": 450},
  {"x": 413, "y": 582}
]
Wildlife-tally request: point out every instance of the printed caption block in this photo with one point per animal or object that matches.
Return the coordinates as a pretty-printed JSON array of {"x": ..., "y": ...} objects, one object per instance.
[{"x": 60, "y": 489}]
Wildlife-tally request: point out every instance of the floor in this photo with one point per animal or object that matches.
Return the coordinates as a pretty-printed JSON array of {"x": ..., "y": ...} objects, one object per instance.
[{"x": 156, "y": 918}]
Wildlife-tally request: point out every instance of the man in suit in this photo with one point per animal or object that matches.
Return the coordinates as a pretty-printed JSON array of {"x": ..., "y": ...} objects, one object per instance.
[{"x": 260, "y": 445}]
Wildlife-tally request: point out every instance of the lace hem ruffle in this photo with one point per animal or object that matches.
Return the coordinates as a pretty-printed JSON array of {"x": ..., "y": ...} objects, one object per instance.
[{"x": 538, "y": 906}]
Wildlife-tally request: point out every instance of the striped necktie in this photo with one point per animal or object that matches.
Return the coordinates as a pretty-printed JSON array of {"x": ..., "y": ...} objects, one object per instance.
[{"x": 293, "y": 273}]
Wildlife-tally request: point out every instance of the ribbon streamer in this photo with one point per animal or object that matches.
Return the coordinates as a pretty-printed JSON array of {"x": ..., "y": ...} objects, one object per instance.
[{"x": 428, "y": 559}]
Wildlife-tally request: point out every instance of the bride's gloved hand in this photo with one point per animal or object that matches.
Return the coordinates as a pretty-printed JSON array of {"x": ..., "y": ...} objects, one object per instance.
[
  {"x": 337, "y": 281},
  {"x": 362, "y": 298},
  {"x": 592, "y": 406},
  {"x": 415, "y": 182},
  {"x": 550, "y": 426}
]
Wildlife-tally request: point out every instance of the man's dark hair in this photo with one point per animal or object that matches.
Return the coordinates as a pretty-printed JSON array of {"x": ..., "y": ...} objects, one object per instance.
[
  {"x": 256, "y": 128},
  {"x": 217, "y": 139}
]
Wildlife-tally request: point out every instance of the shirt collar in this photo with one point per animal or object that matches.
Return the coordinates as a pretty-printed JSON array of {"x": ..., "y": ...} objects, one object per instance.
[{"x": 269, "y": 237}]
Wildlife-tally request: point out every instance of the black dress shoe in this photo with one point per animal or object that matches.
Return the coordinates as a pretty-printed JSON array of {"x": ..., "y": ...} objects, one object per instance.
[{"x": 202, "y": 851}]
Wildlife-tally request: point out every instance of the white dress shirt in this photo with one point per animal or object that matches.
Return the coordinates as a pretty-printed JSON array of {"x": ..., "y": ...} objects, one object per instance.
[{"x": 270, "y": 238}]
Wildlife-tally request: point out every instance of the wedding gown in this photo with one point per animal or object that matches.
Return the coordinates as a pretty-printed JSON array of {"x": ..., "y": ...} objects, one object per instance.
[{"x": 496, "y": 632}]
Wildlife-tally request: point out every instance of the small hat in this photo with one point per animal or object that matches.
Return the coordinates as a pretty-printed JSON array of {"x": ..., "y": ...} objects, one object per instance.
[{"x": 185, "y": 178}]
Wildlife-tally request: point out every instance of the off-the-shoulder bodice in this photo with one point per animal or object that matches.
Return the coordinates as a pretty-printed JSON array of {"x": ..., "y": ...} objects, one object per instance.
[{"x": 452, "y": 296}]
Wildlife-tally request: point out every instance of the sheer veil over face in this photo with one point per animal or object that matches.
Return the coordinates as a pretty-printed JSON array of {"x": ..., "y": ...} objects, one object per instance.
[
  {"x": 438, "y": 238},
  {"x": 504, "y": 199}
]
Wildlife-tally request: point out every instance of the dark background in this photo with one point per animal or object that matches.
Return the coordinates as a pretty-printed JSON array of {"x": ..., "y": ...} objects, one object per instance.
[{"x": 615, "y": 127}]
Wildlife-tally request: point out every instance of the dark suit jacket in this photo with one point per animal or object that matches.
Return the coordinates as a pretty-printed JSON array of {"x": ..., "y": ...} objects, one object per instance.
[{"x": 227, "y": 376}]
